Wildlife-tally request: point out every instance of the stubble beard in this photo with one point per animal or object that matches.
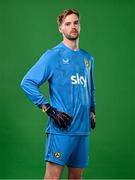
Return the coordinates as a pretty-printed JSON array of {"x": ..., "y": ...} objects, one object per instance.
[{"x": 71, "y": 38}]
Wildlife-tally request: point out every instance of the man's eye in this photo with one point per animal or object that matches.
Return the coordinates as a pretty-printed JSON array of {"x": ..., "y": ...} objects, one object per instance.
[
  {"x": 67, "y": 24},
  {"x": 76, "y": 22}
]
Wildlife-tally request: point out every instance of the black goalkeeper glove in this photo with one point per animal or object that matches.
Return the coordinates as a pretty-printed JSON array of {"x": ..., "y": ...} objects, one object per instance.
[
  {"x": 61, "y": 119},
  {"x": 92, "y": 118}
]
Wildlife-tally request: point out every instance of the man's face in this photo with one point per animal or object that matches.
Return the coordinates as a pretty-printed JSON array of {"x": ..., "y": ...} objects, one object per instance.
[{"x": 70, "y": 27}]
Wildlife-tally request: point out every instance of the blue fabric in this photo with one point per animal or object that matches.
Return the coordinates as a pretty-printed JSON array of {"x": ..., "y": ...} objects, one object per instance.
[
  {"x": 67, "y": 150},
  {"x": 71, "y": 86}
]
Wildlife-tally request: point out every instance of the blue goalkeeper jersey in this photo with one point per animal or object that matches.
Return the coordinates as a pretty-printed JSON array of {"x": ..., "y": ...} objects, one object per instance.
[{"x": 71, "y": 86}]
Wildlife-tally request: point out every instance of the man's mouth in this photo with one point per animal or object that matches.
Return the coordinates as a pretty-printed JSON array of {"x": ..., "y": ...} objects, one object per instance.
[{"x": 74, "y": 32}]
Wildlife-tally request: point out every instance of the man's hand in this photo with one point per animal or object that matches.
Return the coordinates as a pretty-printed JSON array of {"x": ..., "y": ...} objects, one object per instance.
[
  {"x": 92, "y": 118},
  {"x": 61, "y": 119}
]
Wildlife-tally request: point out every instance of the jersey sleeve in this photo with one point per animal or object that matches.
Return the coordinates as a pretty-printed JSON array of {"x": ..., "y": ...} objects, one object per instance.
[
  {"x": 35, "y": 77},
  {"x": 93, "y": 100}
]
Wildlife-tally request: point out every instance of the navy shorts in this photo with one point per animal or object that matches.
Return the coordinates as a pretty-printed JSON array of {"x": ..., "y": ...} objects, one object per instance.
[{"x": 70, "y": 150}]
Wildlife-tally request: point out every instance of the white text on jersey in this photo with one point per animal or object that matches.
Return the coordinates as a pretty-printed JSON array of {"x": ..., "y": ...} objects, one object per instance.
[{"x": 76, "y": 79}]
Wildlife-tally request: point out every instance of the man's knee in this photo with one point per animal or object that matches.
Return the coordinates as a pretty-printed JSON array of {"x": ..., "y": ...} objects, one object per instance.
[
  {"x": 55, "y": 175},
  {"x": 74, "y": 176},
  {"x": 49, "y": 176}
]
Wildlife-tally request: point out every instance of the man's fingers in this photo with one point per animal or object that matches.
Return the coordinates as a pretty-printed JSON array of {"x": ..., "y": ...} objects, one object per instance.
[
  {"x": 63, "y": 122},
  {"x": 66, "y": 116},
  {"x": 62, "y": 119}
]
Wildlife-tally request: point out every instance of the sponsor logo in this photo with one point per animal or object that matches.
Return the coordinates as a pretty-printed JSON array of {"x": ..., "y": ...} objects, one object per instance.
[
  {"x": 57, "y": 155},
  {"x": 65, "y": 61},
  {"x": 76, "y": 79}
]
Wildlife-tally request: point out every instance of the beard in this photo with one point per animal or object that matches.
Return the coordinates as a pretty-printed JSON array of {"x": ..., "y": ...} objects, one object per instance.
[{"x": 71, "y": 37}]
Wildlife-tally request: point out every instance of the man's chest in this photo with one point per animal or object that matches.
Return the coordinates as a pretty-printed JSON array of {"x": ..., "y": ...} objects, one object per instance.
[{"x": 71, "y": 70}]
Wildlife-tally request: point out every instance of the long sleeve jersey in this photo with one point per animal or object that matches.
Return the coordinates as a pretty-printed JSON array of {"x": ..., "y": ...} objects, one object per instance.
[{"x": 71, "y": 86}]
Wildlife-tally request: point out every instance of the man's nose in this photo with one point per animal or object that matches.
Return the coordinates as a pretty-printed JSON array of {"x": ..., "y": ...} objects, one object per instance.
[{"x": 73, "y": 25}]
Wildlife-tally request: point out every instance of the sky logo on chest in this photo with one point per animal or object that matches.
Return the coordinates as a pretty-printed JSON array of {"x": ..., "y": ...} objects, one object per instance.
[{"x": 77, "y": 79}]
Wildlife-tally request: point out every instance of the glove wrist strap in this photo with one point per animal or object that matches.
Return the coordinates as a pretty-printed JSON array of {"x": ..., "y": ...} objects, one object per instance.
[{"x": 45, "y": 107}]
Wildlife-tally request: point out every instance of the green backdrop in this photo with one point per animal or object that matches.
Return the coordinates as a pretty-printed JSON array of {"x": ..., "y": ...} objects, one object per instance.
[{"x": 27, "y": 29}]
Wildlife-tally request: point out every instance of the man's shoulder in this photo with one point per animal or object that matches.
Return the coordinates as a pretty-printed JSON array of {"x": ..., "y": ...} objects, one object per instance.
[{"x": 54, "y": 51}]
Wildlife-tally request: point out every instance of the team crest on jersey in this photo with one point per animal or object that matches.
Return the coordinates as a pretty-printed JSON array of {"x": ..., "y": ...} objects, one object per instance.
[
  {"x": 57, "y": 155},
  {"x": 87, "y": 63}
]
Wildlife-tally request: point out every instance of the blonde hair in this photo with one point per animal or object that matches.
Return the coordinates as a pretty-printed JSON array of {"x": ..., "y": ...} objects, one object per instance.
[{"x": 65, "y": 13}]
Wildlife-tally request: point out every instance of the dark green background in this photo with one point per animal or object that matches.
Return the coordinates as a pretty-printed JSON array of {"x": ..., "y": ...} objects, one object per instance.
[{"x": 27, "y": 29}]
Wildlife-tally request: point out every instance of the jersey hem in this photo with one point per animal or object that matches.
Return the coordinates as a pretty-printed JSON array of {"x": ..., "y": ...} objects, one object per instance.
[{"x": 69, "y": 134}]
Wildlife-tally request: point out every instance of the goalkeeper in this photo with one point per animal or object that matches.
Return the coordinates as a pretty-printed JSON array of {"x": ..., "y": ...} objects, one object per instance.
[{"x": 71, "y": 111}]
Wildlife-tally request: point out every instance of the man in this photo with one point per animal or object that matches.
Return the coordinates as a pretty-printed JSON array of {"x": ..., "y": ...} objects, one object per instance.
[{"x": 69, "y": 72}]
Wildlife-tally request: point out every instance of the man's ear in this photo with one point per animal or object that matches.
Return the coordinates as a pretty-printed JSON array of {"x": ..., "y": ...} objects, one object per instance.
[{"x": 60, "y": 29}]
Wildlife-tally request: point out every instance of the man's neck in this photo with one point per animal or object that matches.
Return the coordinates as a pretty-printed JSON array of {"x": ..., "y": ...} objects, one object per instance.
[{"x": 74, "y": 45}]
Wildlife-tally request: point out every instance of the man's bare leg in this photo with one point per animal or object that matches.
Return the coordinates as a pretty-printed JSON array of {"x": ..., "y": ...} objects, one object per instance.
[
  {"x": 53, "y": 171},
  {"x": 75, "y": 173}
]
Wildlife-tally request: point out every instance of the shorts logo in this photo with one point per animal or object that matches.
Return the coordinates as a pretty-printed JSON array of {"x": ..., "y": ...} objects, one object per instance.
[{"x": 57, "y": 155}]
